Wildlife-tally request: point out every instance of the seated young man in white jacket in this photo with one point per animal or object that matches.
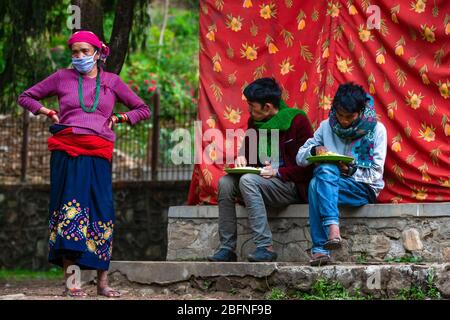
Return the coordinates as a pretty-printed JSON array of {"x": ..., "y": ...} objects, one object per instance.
[{"x": 351, "y": 129}]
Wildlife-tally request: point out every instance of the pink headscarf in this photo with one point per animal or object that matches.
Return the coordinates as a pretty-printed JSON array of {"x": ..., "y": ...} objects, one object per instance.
[{"x": 91, "y": 38}]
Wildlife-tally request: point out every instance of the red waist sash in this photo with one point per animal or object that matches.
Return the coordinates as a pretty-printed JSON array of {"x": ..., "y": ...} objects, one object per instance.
[{"x": 81, "y": 144}]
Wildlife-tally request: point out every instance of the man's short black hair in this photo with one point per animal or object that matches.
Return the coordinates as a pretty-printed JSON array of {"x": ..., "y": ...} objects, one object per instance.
[
  {"x": 350, "y": 97},
  {"x": 264, "y": 90}
]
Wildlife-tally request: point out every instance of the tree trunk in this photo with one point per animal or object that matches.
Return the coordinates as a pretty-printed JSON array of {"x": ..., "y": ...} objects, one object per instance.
[
  {"x": 91, "y": 16},
  {"x": 119, "y": 41},
  {"x": 163, "y": 28}
]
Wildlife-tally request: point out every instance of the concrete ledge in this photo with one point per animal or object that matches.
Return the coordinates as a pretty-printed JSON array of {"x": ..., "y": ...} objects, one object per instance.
[
  {"x": 301, "y": 211},
  {"x": 164, "y": 272},
  {"x": 381, "y": 280}
]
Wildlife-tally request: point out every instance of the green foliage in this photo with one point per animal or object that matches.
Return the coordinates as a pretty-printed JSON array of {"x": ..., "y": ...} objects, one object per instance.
[
  {"x": 207, "y": 285},
  {"x": 405, "y": 259},
  {"x": 233, "y": 291},
  {"x": 276, "y": 294},
  {"x": 362, "y": 258},
  {"x": 432, "y": 291},
  {"x": 324, "y": 289},
  {"x": 39, "y": 33},
  {"x": 173, "y": 70},
  {"x": 24, "y": 275},
  {"x": 172, "y": 67},
  {"x": 415, "y": 292},
  {"x": 26, "y": 29}
]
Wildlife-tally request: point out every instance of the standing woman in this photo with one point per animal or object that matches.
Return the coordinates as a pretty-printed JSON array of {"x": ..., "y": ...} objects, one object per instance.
[{"x": 81, "y": 205}]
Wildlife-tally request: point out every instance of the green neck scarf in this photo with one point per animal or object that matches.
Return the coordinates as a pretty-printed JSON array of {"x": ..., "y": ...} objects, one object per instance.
[{"x": 282, "y": 121}]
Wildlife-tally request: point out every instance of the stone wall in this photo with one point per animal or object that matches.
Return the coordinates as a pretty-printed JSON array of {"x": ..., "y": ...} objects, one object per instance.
[
  {"x": 141, "y": 222},
  {"x": 373, "y": 233},
  {"x": 246, "y": 280}
]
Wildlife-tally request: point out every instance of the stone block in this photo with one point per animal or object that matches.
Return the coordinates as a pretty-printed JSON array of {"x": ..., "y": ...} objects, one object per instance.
[
  {"x": 411, "y": 240},
  {"x": 446, "y": 254},
  {"x": 396, "y": 250},
  {"x": 376, "y": 246},
  {"x": 443, "y": 280}
]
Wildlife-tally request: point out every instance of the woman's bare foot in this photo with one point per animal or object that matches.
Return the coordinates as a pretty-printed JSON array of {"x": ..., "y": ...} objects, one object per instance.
[
  {"x": 75, "y": 293},
  {"x": 73, "y": 289},
  {"x": 108, "y": 292},
  {"x": 102, "y": 286}
]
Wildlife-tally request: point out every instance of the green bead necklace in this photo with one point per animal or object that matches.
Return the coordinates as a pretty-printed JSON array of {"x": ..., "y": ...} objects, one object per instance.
[{"x": 97, "y": 93}]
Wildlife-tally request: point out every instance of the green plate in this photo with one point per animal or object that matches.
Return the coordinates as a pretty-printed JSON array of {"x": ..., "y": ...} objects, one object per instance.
[
  {"x": 242, "y": 170},
  {"x": 332, "y": 158}
]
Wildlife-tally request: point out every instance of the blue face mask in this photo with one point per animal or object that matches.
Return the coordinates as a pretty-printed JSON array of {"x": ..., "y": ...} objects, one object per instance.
[{"x": 85, "y": 64}]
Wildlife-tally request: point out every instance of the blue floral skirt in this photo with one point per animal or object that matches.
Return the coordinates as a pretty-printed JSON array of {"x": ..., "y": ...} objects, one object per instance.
[{"x": 81, "y": 211}]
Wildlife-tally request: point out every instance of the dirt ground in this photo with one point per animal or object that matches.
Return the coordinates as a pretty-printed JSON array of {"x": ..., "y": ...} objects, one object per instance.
[{"x": 53, "y": 290}]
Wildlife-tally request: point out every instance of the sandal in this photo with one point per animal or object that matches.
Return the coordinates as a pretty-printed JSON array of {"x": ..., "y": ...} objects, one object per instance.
[
  {"x": 333, "y": 244},
  {"x": 75, "y": 293},
  {"x": 320, "y": 260},
  {"x": 109, "y": 292}
]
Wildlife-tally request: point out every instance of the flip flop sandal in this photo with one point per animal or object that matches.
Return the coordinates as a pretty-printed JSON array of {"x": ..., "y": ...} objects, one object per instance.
[
  {"x": 75, "y": 293},
  {"x": 320, "y": 261},
  {"x": 109, "y": 293},
  {"x": 333, "y": 244}
]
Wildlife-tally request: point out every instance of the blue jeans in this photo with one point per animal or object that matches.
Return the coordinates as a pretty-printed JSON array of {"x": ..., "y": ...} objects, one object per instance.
[{"x": 328, "y": 190}]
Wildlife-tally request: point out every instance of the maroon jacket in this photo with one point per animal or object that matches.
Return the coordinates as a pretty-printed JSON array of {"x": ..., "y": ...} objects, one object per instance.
[{"x": 290, "y": 141}]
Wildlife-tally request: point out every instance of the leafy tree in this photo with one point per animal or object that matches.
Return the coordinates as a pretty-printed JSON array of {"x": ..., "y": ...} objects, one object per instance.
[{"x": 27, "y": 27}]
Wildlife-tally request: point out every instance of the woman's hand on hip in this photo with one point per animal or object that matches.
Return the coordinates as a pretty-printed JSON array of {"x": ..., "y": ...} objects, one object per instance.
[
  {"x": 112, "y": 121},
  {"x": 55, "y": 118},
  {"x": 52, "y": 114}
]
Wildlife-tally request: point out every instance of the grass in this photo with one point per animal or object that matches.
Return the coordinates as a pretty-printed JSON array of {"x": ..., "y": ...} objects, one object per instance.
[
  {"x": 362, "y": 258},
  {"x": 233, "y": 291},
  {"x": 322, "y": 289},
  {"x": 276, "y": 294},
  {"x": 404, "y": 259},
  {"x": 207, "y": 285},
  {"x": 24, "y": 275},
  {"x": 417, "y": 293}
]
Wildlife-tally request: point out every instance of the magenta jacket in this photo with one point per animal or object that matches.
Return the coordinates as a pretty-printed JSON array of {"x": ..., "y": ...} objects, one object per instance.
[{"x": 64, "y": 84}]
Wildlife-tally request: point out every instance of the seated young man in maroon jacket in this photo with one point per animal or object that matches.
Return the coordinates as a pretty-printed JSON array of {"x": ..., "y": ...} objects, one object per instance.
[{"x": 281, "y": 181}]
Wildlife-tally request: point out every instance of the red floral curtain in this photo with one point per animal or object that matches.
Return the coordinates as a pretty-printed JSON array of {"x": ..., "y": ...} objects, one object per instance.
[{"x": 311, "y": 47}]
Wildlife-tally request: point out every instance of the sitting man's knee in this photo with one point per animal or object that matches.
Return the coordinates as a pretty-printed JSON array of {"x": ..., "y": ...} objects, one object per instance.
[
  {"x": 224, "y": 180},
  {"x": 248, "y": 180},
  {"x": 225, "y": 184},
  {"x": 312, "y": 185},
  {"x": 326, "y": 169}
]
